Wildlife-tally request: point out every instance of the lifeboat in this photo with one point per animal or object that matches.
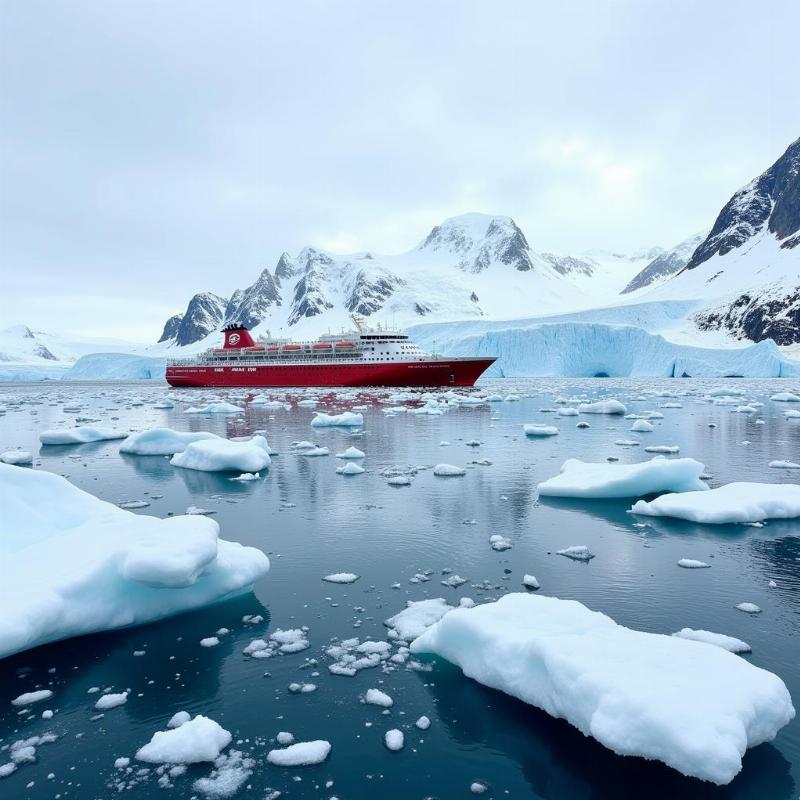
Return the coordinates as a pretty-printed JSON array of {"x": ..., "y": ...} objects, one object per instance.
[
  {"x": 273, "y": 349},
  {"x": 255, "y": 348},
  {"x": 292, "y": 347},
  {"x": 322, "y": 346},
  {"x": 340, "y": 345}
]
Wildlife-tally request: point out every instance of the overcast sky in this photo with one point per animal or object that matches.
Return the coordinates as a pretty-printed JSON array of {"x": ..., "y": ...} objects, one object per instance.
[{"x": 149, "y": 150}]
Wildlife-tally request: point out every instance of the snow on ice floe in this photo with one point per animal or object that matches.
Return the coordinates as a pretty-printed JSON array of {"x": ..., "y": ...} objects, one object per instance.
[
  {"x": 448, "y": 471},
  {"x": 540, "y": 430},
  {"x": 695, "y": 707},
  {"x": 785, "y": 397},
  {"x": 729, "y": 643},
  {"x": 73, "y": 564},
  {"x": 224, "y": 455},
  {"x": 301, "y": 754},
  {"x": 341, "y": 577},
  {"x": 603, "y": 407},
  {"x": 346, "y": 419},
  {"x": 739, "y": 502},
  {"x": 417, "y": 617},
  {"x": 577, "y": 552},
  {"x": 80, "y": 435},
  {"x": 214, "y": 408},
  {"x": 197, "y": 740},
  {"x": 351, "y": 452},
  {"x": 16, "y": 457},
  {"x": 162, "y": 442},
  {"x": 350, "y": 468},
  {"x": 603, "y": 480},
  {"x": 692, "y": 563}
]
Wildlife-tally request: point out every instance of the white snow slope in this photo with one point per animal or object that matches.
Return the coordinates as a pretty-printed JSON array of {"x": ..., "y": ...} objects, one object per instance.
[
  {"x": 72, "y": 564},
  {"x": 692, "y": 705}
]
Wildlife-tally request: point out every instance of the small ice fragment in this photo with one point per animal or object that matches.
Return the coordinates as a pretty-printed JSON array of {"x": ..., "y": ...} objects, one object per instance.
[{"x": 394, "y": 740}]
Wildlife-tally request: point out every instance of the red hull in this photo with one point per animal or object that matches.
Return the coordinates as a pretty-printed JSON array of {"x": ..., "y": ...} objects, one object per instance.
[{"x": 452, "y": 372}]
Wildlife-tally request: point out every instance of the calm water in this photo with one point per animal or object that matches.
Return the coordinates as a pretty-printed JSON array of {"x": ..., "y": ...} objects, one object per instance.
[{"x": 313, "y": 522}]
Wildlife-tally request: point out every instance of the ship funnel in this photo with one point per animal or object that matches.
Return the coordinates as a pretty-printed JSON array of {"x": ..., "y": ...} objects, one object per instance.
[{"x": 237, "y": 336}]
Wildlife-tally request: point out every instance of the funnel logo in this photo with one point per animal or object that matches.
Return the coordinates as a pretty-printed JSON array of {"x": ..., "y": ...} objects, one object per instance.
[{"x": 234, "y": 338}]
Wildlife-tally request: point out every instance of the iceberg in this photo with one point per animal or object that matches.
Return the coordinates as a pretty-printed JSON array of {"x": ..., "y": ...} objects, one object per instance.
[
  {"x": 220, "y": 407},
  {"x": 594, "y": 344},
  {"x": 200, "y": 739},
  {"x": 692, "y": 705},
  {"x": 605, "y": 481},
  {"x": 72, "y": 564},
  {"x": 345, "y": 419},
  {"x": 603, "y": 407},
  {"x": 116, "y": 366},
  {"x": 532, "y": 429},
  {"x": 740, "y": 502},
  {"x": 162, "y": 442},
  {"x": 223, "y": 455},
  {"x": 80, "y": 435}
]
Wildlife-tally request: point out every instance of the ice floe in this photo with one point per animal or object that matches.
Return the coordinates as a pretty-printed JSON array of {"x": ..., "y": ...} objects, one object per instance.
[
  {"x": 603, "y": 407},
  {"x": 196, "y": 740},
  {"x": 734, "y": 502},
  {"x": 16, "y": 457},
  {"x": 448, "y": 471},
  {"x": 214, "y": 408},
  {"x": 540, "y": 430},
  {"x": 602, "y": 480},
  {"x": 696, "y": 708},
  {"x": 375, "y": 697},
  {"x": 73, "y": 564},
  {"x": 692, "y": 563},
  {"x": 301, "y": 754},
  {"x": 416, "y": 618},
  {"x": 729, "y": 643},
  {"x": 80, "y": 435},
  {"x": 162, "y": 442},
  {"x": 345, "y": 419},
  {"x": 351, "y": 452},
  {"x": 350, "y": 468},
  {"x": 394, "y": 740},
  {"x": 223, "y": 455},
  {"x": 341, "y": 577}
]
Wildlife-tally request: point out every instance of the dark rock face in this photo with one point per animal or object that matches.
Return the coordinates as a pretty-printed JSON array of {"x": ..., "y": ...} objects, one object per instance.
[
  {"x": 284, "y": 269},
  {"x": 250, "y": 307},
  {"x": 772, "y": 199},
  {"x": 171, "y": 328},
  {"x": 666, "y": 264},
  {"x": 370, "y": 293},
  {"x": 756, "y": 318},
  {"x": 204, "y": 314}
]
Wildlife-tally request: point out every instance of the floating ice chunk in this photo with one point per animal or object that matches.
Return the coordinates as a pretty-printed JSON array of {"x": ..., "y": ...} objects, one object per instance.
[
  {"x": 246, "y": 477},
  {"x": 341, "y": 577},
  {"x": 784, "y": 464},
  {"x": 785, "y": 397},
  {"x": 494, "y": 398},
  {"x": 16, "y": 457},
  {"x": 302, "y": 754},
  {"x": 642, "y": 426},
  {"x": 567, "y": 412},
  {"x": 214, "y": 408},
  {"x": 399, "y": 480},
  {"x": 668, "y": 449},
  {"x": 749, "y": 608},
  {"x": 734, "y": 502},
  {"x": 27, "y": 698},
  {"x": 284, "y": 738},
  {"x": 209, "y": 641},
  {"x": 530, "y": 582},
  {"x": 80, "y": 435},
  {"x": 131, "y": 504},
  {"x": 627, "y": 442},
  {"x": 293, "y": 640},
  {"x": 693, "y": 563},
  {"x": 729, "y": 643},
  {"x": 500, "y": 543},
  {"x": 122, "y": 762},
  {"x": 454, "y": 581},
  {"x": 72, "y": 564},
  {"x": 592, "y": 480},
  {"x": 448, "y": 471},
  {"x": 178, "y": 718},
  {"x": 512, "y": 398},
  {"x": 110, "y": 700},
  {"x": 346, "y": 418},
  {"x": 376, "y": 697},
  {"x": 394, "y": 740},
  {"x": 350, "y": 468},
  {"x": 229, "y": 774},
  {"x": 223, "y": 455},
  {"x": 540, "y": 430},
  {"x": 417, "y": 617},
  {"x": 351, "y": 452},
  {"x": 603, "y": 407},
  {"x": 792, "y": 414},
  {"x": 694, "y": 707},
  {"x": 745, "y": 410},
  {"x": 199, "y": 739},
  {"x": 577, "y": 552},
  {"x": 478, "y": 787},
  {"x": 162, "y": 442}
]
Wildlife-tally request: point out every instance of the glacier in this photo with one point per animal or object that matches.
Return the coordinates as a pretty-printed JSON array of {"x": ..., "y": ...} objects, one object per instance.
[
  {"x": 692, "y": 705},
  {"x": 116, "y": 366},
  {"x": 72, "y": 564},
  {"x": 574, "y": 349}
]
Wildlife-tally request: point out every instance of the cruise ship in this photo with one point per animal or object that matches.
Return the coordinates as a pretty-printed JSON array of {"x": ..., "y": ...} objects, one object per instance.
[{"x": 364, "y": 357}]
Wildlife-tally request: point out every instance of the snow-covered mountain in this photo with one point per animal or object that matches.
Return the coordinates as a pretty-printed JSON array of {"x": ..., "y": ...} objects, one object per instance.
[
  {"x": 746, "y": 273},
  {"x": 468, "y": 267},
  {"x": 666, "y": 264}
]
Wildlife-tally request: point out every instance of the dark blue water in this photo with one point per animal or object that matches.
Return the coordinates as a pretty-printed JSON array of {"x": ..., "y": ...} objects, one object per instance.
[{"x": 313, "y": 522}]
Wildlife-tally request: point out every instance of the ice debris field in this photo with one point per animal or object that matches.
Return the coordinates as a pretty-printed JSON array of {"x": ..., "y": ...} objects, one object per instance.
[{"x": 489, "y": 528}]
